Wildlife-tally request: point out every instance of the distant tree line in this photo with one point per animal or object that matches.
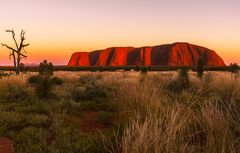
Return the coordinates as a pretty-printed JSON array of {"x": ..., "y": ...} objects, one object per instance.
[{"x": 118, "y": 68}]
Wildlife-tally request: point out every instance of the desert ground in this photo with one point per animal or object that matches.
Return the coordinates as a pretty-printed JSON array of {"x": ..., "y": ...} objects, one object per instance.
[{"x": 122, "y": 112}]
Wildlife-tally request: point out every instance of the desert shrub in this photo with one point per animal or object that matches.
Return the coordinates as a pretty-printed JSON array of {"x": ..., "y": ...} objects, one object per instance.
[
  {"x": 57, "y": 81},
  {"x": 200, "y": 67},
  {"x": 11, "y": 121},
  {"x": 89, "y": 88},
  {"x": 44, "y": 88},
  {"x": 2, "y": 74},
  {"x": 14, "y": 120},
  {"x": 30, "y": 140},
  {"x": 46, "y": 68},
  {"x": 227, "y": 90},
  {"x": 44, "y": 85},
  {"x": 127, "y": 68},
  {"x": 90, "y": 79},
  {"x": 181, "y": 82},
  {"x": 183, "y": 78},
  {"x": 22, "y": 67},
  {"x": 32, "y": 106},
  {"x": 39, "y": 120},
  {"x": 14, "y": 93},
  {"x": 44, "y": 81},
  {"x": 137, "y": 68},
  {"x": 100, "y": 69},
  {"x": 33, "y": 79},
  {"x": 233, "y": 67},
  {"x": 144, "y": 69},
  {"x": 88, "y": 93},
  {"x": 72, "y": 140},
  {"x": 13, "y": 88}
]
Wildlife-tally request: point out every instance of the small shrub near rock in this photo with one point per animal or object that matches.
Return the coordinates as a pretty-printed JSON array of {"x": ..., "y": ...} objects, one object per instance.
[
  {"x": 181, "y": 82},
  {"x": 234, "y": 68},
  {"x": 200, "y": 67},
  {"x": 144, "y": 69}
]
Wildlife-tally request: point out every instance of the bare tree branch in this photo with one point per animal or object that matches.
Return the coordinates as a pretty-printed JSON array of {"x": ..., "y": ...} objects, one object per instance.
[
  {"x": 4, "y": 45},
  {"x": 22, "y": 39},
  {"x": 23, "y": 57},
  {"x": 13, "y": 35},
  {"x": 17, "y": 53},
  {"x": 25, "y": 45}
]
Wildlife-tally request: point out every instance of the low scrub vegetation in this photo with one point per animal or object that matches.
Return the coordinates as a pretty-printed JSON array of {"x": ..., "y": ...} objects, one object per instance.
[
  {"x": 118, "y": 68},
  {"x": 121, "y": 112}
]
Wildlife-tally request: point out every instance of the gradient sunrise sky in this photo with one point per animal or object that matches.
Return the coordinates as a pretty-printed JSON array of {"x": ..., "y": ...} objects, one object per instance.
[{"x": 57, "y": 28}]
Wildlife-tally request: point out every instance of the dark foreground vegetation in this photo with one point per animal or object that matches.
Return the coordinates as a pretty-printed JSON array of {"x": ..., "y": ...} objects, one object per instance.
[{"x": 121, "y": 112}]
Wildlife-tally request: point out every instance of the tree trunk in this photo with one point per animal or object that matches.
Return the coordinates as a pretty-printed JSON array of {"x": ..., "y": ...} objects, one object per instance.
[
  {"x": 14, "y": 62},
  {"x": 18, "y": 62}
]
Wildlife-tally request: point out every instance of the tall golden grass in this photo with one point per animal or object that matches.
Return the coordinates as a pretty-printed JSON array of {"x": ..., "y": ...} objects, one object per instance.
[{"x": 203, "y": 118}]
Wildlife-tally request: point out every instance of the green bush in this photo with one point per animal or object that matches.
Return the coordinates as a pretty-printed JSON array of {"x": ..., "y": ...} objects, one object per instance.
[
  {"x": 234, "y": 68},
  {"x": 11, "y": 121},
  {"x": 34, "y": 79},
  {"x": 90, "y": 79},
  {"x": 181, "y": 82},
  {"x": 44, "y": 88},
  {"x": 127, "y": 68},
  {"x": 200, "y": 67},
  {"x": 56, "y": 81},
  {"x": 88, "y": 88},
  {"x": 39, "y": 120},
  {"x": 137, "y": 68},
  {"x": 43, "y": 85},
  {"x": 30, "y": 140},
  {"x": 14, "y": 94},
  {"x": 144, "y": 69},
  {"x": 88, "y": 93},
  {"x": 22, "y": 67},
  {"x": 71, "y": 140},
  {"x": 46, "y": 68}
]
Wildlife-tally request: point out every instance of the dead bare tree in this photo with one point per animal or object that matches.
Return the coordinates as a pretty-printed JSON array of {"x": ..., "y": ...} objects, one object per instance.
[{"x": 19, "y": 52}]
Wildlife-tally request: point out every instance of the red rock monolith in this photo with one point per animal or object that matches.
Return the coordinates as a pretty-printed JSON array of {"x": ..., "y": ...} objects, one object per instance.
[{"x": 176, "y": 54}]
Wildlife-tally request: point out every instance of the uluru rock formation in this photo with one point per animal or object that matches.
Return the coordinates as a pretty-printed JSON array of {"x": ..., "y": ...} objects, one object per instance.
[{"x": 176, "y": 54}]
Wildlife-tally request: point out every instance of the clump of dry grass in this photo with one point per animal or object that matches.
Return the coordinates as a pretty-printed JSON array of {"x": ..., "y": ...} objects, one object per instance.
[
  {"x": 14, "y": 88},
  {"x": 203, "y": 118},
  {"x": 164, "y": 133}
]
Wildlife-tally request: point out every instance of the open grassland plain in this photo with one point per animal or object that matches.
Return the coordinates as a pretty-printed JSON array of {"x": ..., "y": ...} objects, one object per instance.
[{"x": 123, "y": 112}]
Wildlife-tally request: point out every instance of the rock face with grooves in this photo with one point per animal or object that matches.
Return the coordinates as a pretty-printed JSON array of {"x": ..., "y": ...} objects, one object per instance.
[{"x": 176, "y": 54}]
